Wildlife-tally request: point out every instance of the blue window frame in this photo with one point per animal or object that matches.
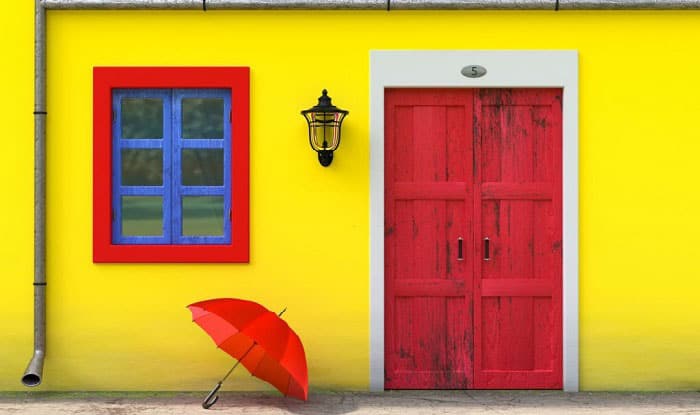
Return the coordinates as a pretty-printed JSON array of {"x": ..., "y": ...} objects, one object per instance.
[{"x": 171, "y": 166}]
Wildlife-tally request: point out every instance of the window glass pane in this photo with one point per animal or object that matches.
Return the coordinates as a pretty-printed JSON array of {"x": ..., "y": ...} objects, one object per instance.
[
  {"x": 142, "y": 215},
  {"x": 142, "y": 167},
  {"x": 202, "y": 118},
  {"x": 142, "y": 118},
  {"x": 202, "y": 167},
  {"x": 203, "y": 215}
]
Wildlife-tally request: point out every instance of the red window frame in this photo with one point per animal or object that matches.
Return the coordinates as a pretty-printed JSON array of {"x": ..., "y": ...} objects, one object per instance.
[{"x": 237, "y": 79}]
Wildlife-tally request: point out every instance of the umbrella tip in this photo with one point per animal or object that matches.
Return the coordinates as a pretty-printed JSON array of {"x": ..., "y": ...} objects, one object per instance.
[{"x": 282, "y": 312}]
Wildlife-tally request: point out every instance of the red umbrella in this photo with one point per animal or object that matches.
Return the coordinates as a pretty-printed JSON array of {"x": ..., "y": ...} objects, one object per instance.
[{"x": 259, "y": 339}]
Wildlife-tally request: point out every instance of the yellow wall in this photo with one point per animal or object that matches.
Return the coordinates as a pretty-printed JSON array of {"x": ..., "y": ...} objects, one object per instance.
[{"x": 124, "y": 327}]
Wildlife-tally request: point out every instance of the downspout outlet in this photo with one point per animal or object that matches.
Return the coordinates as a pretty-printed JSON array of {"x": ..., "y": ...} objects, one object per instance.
[{"x": 32, "y": 376}]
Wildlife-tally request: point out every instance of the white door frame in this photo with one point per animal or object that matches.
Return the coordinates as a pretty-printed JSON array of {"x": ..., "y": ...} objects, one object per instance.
[{"x": 505, "y": 69}]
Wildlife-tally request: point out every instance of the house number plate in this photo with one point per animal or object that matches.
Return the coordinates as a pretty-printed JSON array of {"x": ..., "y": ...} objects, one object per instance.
[{"x": 473, "y": 71}]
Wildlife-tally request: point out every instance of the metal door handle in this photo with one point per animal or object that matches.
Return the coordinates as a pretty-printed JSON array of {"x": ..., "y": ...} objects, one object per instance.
[
  {"x": 487, "y": 250},
  {"x": 460, "y": 256}
]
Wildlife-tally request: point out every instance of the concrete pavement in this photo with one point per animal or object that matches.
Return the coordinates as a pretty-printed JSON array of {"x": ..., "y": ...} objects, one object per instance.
[{"x": 339, "y": 403}]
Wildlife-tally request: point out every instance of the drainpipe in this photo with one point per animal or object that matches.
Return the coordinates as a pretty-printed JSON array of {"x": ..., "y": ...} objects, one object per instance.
[
  {"x": 218, "y": 4},
  {"x": 32, "y": 376},
  {"x": 372, "y": 4}
]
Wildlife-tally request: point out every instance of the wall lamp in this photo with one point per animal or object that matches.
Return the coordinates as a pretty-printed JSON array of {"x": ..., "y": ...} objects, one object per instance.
[{"x": 324, "y": 121}]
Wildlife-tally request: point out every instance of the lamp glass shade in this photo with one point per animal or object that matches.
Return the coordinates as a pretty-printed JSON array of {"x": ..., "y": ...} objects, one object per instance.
[{"x": 324, "y": 129}]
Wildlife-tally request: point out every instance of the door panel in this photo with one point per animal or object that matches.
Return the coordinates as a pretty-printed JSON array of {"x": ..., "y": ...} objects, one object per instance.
[
  {"x": 428, "y": 200},
  {"x": 517, "y": 291}
]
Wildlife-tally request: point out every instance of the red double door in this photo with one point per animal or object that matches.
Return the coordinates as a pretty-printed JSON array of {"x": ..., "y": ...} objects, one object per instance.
[{"x": 473, "y": 265}]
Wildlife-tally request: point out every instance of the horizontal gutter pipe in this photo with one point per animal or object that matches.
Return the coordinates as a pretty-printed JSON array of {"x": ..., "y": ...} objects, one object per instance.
[
  {"x": 32, "y": 376},
  {"x": 371, "y": 4}
]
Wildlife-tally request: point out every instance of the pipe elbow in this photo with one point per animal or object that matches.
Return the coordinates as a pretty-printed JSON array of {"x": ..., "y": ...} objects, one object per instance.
[{"x": 32, "y": 376}]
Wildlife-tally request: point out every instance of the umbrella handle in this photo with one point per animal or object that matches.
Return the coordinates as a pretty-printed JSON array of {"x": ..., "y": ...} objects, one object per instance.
[{"x": 212, "y": 397}]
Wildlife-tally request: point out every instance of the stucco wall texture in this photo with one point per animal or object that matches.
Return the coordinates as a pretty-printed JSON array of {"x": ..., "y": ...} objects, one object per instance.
[{"x": 125, "y": 326}]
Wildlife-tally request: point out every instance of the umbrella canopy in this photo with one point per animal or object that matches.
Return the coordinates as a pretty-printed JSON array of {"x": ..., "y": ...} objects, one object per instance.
[{"x": 259, "y": 339}]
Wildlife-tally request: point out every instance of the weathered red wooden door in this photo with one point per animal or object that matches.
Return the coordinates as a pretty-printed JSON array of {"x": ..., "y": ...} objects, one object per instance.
[
  {"x": 483, "y": 167},
  {"x": 517, "y": 290},
  {"x": 429, "y": 203}
]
